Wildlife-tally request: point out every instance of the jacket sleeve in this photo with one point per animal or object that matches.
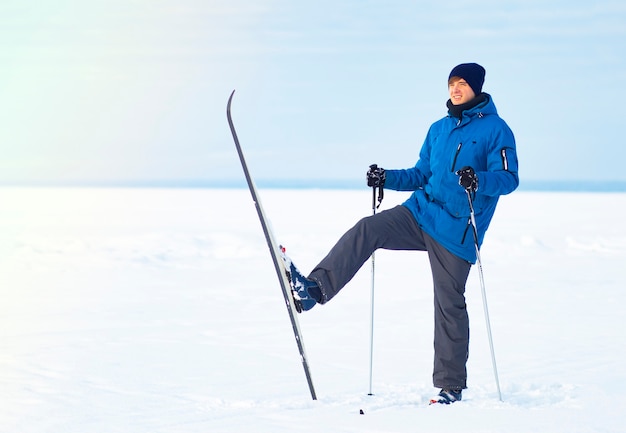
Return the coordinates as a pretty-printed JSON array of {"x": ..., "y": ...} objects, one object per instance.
[{"x": 501, "y": 176}]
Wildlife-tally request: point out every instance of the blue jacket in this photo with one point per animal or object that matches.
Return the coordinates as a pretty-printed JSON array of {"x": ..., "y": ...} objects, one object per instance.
[{"x": 481, "y": 140}]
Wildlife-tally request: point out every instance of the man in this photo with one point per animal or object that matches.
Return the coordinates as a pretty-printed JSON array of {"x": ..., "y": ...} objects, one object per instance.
[{"x": 470, "y": 150}]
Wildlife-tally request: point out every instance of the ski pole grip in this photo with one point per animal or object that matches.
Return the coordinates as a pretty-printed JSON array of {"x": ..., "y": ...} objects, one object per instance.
[{"x": 380, "y": 190}]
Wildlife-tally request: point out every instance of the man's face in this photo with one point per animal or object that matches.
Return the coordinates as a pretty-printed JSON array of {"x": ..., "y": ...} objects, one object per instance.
[{"x": 460, "y": 91}]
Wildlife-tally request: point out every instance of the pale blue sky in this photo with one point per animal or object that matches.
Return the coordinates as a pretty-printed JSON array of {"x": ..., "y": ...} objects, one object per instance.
[{"x": 136, "y": 90}]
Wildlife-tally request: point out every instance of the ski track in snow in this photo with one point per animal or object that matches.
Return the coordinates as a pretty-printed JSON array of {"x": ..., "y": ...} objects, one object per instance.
[{"x": 158, "y": 310}]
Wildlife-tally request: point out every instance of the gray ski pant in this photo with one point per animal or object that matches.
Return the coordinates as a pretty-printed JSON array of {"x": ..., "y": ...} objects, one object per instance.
[{"x": 396, "y": 229}]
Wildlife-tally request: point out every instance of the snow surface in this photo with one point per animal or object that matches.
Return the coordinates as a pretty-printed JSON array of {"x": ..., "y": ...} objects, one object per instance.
[{"x": 158, "y": 310}]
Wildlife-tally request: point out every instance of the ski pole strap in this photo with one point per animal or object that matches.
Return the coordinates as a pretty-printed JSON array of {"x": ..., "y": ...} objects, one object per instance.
[
  {"x": 377, "y": 200},
  {"x": 380, "y": 195}
]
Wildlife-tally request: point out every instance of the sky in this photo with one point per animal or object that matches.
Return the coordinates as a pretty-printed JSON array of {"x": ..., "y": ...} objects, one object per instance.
[{"x": 132, "y": 91}]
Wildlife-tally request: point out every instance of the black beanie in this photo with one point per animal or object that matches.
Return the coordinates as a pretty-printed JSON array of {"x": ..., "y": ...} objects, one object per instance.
[{"x": 473, "y": 73}]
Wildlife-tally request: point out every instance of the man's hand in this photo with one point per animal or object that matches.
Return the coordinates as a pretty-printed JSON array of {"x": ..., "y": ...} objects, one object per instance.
[
  {"x": 468, "y": 178},
  {"x": 375, "y": 176}
]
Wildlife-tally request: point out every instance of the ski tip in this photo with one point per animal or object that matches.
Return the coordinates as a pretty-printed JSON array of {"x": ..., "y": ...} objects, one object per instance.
[{"x": 230, "y": 101}]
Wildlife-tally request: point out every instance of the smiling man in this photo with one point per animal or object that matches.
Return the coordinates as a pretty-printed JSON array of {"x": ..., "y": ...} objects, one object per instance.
[{"x": 471, "y": 150}]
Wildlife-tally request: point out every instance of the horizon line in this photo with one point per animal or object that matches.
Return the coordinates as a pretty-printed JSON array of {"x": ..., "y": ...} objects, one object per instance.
[{"x": 525, "y": 185}]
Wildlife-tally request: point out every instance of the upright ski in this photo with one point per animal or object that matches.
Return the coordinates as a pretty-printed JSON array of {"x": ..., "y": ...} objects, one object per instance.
[{"x": 275, "y": 251}]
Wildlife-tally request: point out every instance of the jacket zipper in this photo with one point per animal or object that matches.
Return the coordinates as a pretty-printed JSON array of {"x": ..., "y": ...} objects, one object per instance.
[
  {"x": 505, "y": 161},
  {"x": 456, "y": 155}
]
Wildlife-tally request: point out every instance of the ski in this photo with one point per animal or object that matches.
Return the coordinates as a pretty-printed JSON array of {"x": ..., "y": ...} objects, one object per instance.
[{"x": 275, "y": 252}]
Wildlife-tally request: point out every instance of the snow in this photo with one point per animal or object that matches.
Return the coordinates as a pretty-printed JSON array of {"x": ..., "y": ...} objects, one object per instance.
[{"x": 158, "y": 310}]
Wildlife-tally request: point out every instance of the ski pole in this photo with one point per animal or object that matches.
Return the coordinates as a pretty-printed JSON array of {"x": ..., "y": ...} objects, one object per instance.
[
  {"x": 372, "y": 299},
  {"x": 374, "y": 207},
  {"x": 482, "y": 288}
]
